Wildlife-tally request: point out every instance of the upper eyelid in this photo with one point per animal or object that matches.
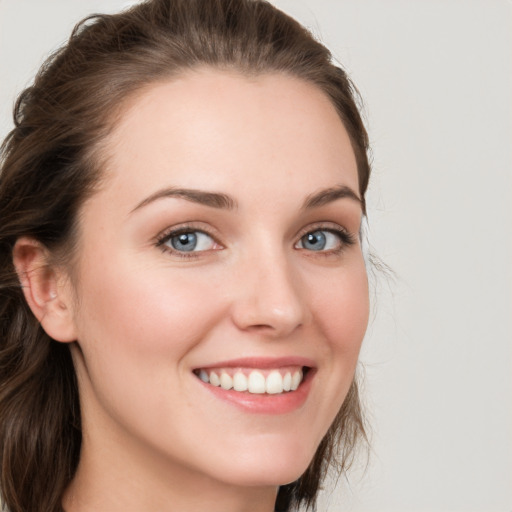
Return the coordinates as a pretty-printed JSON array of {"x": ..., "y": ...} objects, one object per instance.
[
  {"x": 322, "y": 226},
  {"x": 346, "y": 237},
  {"x": 184, "y": 228}
]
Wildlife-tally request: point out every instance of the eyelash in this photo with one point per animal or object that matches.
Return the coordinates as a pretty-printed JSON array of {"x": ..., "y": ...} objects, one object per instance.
[
  {"x": 171, "y": 233},
  {"x": 346, "y": 239}
]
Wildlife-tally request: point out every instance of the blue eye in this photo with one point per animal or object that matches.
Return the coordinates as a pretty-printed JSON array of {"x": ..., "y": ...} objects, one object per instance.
[
  {"x": 320, "y": 240},
  {"x": 188, "y": 241}
]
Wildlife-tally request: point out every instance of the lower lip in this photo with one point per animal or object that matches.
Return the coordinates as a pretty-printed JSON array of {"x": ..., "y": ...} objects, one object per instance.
[{"x": 264, "y": 403}]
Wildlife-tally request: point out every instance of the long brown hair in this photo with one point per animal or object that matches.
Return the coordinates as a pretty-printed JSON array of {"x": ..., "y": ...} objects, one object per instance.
[{"x": 50, "y": 163}]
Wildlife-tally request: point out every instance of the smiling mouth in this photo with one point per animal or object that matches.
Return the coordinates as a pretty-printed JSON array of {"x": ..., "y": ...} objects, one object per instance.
[{"x": 254, "y": 381}]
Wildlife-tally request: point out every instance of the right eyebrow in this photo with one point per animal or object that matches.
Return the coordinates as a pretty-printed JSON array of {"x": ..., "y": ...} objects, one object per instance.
[{"x": 212, "y": 199}]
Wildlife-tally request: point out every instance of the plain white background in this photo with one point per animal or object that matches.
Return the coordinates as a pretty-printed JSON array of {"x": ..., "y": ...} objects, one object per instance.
[{"x": 436, "y": 77}]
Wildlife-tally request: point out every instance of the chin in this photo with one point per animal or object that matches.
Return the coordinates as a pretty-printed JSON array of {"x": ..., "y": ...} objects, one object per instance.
[
  {"x": 267, "y": 467},
  {"x": 265, "y": 476}
]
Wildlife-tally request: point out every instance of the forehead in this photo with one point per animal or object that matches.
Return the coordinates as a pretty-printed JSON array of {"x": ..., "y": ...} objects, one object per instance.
[{"x": 222, "y": 129}]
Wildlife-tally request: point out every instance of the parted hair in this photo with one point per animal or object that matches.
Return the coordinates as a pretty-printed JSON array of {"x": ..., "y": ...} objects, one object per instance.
[{"x": 51, "y": 162}]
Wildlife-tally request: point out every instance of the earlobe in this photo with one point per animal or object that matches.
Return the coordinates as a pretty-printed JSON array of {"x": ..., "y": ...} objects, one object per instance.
[{"x": 46, "y": 289}]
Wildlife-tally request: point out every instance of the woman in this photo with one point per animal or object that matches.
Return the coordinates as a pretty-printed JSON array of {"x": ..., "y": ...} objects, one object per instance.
[{"x": 181, "y": 202}]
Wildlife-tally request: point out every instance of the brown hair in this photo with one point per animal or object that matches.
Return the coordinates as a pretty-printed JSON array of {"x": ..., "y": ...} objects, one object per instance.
[{"x": 50, "y": 164}]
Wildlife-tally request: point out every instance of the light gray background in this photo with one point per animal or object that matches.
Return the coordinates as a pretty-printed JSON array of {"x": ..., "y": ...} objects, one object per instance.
[{"x": 436, "y": 77}]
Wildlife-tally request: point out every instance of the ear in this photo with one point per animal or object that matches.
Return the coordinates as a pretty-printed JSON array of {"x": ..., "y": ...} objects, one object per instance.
[{"x": 46, "y": 288}]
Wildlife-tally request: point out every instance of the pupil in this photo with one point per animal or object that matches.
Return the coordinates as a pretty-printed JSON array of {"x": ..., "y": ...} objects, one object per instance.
[
  {"x": 184, "y": 242},
  {"x": 315, "y": 241}
]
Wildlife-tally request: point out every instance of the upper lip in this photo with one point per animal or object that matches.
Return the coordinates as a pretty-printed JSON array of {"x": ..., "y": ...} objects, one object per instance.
[{"x": 261, "y": 362}]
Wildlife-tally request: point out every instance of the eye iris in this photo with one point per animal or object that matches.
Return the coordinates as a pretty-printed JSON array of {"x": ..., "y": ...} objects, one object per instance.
[
  {"x": 315, "y": 241},
  {"x": 184, "y": 242}
]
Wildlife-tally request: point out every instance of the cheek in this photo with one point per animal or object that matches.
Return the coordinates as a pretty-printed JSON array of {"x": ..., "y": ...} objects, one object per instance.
[
  {"x": 135, "y": 311},
  {"x": 341, "y": 307},
  {"x": 137, "y": 326}
]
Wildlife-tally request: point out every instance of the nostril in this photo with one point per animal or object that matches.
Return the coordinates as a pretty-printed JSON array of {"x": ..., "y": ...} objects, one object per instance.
[
  {"x": 275, "y": 329},
  {"x": 261, "y": 327}
]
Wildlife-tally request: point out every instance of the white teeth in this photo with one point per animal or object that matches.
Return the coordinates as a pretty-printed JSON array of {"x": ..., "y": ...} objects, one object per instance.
[
  {"x": 287, "y": 382},
  {"x": 226, "y": 382},
  {"x": 240, "y": 382},
  {"x": 274, "y": 384},
  {"x": 296, "y": 380},
  {"x": 256, "y": 383},
  {"x": 214, "y": 379}
]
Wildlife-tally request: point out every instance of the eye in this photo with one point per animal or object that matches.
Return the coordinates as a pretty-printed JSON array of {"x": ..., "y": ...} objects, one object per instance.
[
  {"x": 188, "y": 241},
  {"x": 324, "y": 240}
]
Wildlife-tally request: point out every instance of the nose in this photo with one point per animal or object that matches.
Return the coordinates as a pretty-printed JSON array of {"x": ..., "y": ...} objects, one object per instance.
[{"x": 270, "y": 298}]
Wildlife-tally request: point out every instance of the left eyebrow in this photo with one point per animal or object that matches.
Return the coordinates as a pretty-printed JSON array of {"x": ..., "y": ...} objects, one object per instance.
[{"x": 328, "y": 195}]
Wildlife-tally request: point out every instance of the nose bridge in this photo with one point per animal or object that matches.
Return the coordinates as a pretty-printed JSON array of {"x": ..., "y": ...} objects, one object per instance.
[{"x": 269, "y": 295}]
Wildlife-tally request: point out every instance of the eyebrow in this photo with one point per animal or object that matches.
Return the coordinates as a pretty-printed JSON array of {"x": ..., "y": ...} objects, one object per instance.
[
  {"x": 212, "y": 199},
  {"x": 223, "y": 201},
  {"x": 329, "y": 195}
]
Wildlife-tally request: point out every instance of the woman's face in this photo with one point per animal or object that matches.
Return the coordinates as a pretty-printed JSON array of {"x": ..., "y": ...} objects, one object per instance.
[{"x": 222, "y": 247}]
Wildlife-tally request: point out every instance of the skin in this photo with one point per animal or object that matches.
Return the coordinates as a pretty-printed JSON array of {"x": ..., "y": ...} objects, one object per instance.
[{"x": 144, "y": 317}]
